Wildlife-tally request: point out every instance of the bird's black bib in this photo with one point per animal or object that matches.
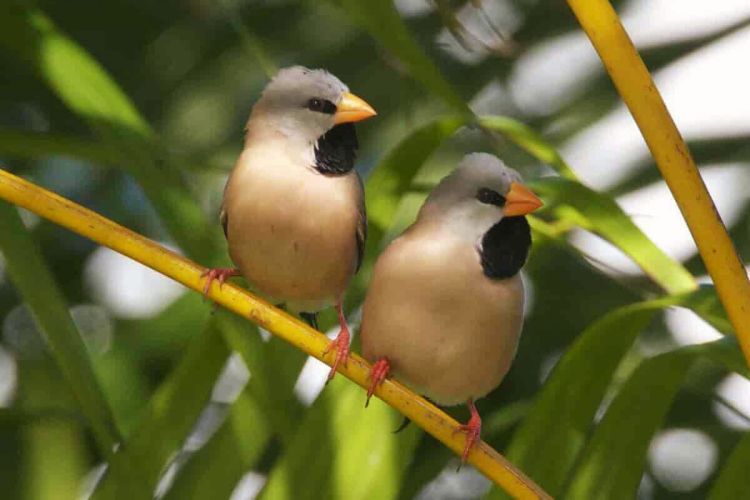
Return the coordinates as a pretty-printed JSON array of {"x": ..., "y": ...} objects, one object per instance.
[
  {"x": 505, "y": 247},
  {"x": 336, "y": 150}
]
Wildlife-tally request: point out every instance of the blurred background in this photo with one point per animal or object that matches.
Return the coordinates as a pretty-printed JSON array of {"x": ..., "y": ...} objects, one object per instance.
[{"x": 188, "y": 72}]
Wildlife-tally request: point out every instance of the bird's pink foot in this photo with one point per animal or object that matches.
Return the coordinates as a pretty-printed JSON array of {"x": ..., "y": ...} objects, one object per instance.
[
  {"x": 340, "y": 345},
  {"x": 220, "y": 273},
  {"x": 378, "y": 373},
  {"x": 473, "y": 429}
]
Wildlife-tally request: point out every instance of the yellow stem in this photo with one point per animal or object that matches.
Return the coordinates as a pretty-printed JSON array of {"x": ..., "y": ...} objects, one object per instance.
[
  {"x": 633, "y": 81},
  {"x": 92, "y": 225}
]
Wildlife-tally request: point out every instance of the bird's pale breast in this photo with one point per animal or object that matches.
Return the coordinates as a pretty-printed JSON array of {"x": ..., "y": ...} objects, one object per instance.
[
  {"x": 449, "y": 332},
  {"x": 291, "y": 230}
]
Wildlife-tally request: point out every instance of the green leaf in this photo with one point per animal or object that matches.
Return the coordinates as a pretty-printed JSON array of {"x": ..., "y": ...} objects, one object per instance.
[
  {"x": 266, "y": 408},
  {"x": 575, "y": 203},
  {"x": 54, "y": 456},
  {"x": 393, "y": 176},
  {"x": 168, "y": 333},
  {"x": 37, "y": 286},
  {"x": 530, "y": 141},
  {"x": 274, "y": 367},
  {"x": 213, "y": 471},
  {"x": 251, "y": 43},
  {"x": 613, "y": 461},
  {"x": 732, "y": 480},
  {"x": 342, "y": 450},
  {"x": 35, "y": 145},
  {"x": 44, "y": 412},
  {"x": 78, "y": 80},
  {"x": 634, "y": 415},
  {"x": 168, "y": 419},
  {"x": 371, "y": 441},
  {"x": 88, "y": 91},
  {"x": 383, "y": 22},
  {"x": 571, "y": 395},
  {"x": 706, "y": 304}
]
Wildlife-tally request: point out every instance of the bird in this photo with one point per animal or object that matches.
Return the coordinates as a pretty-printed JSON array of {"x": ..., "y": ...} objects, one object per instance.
[
  {"x": 293, "y": 209},
  {"x": 444, "y": 309}
]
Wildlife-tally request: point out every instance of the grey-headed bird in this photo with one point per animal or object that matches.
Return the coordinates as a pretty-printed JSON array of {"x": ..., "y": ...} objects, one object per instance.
[
  {"x": 444, "y": 309},
  {"x": 293, "y": 210}
]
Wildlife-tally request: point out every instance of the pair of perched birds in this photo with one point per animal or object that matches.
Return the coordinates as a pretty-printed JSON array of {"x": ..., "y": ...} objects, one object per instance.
[{"x": 444, "y": 309}]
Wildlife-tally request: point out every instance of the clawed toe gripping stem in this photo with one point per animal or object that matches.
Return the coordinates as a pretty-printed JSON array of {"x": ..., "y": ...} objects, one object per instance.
[
  {"x": 378, "y": 373},
  {"x": 220, "y": 273},
  {"x": 473, "y": 430},
  {"x": 340, "y": 344}
]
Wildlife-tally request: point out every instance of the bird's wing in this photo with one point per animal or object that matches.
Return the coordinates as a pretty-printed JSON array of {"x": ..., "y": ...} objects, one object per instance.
[
  {"x": 223, "y": 216},
  {"x": 223, "y": 219},
  {"x": 361, "y": 224}
]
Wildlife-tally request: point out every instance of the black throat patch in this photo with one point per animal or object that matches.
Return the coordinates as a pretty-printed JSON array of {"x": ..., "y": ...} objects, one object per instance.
[
  {"x": 505, "y": 248},
  {"x": 336, "y": 150}
]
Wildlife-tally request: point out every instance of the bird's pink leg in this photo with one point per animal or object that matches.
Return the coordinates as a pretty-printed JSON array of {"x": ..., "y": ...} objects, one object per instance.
[
  {"x": 378, "y": 373},
  {"x": 473, "y": 428},
  {"x": 340, "y": 344},
  {"x": 219, "y": 273}
]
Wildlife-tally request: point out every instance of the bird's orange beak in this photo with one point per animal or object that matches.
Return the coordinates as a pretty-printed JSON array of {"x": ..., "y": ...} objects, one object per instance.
[
  {"x": 352, "y": 109},
  {"x": 520, "y": 200}
]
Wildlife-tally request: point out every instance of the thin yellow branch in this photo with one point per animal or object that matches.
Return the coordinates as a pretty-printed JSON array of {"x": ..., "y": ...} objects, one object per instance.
[
  {"x": 633, "y": 81},
  {"x": 95, "y": 227}
]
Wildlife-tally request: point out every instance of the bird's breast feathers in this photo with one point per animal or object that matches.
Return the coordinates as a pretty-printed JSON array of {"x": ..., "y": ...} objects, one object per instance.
[
  {"x": 449, "y": 331},
  {"x": 291, "y": 230}
]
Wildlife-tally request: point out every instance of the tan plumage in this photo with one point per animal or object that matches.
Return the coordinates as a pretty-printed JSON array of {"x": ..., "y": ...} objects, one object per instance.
[
  {"x": 432, "y": 316},
  {"x": 448, "y": 331},
  {"x": 292, "y": 231},
  {"x": 293, "y": 209}
]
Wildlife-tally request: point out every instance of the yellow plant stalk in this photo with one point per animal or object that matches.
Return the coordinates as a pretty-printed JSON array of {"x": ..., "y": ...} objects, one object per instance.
[
  {"x": 633, "y": 81},
  {"x": 108, "y": 233}
]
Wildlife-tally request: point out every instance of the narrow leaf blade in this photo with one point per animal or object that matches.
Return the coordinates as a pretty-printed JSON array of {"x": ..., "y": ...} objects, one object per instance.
[
  {"x": 337, "y": 436},
  {"x": 528, "y": 140},
  {"x": 168, "y": 419},
  {"x": 570, "y": 397},
  {"x": 383, "y": 22},
  {"x": 732, "y": 480},
  {"x": 585, "y": 207},
  {"x": 87, "y": 90},
  {"x": 236, "y": 447},
  {"x": 36, "y": 284},
  {"x": 613, "y": 461}
]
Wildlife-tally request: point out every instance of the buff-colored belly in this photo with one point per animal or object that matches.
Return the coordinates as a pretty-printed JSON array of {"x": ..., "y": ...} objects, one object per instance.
[
  {"x": 448, "y": 332},
  {"x": 293, "y": 236}
]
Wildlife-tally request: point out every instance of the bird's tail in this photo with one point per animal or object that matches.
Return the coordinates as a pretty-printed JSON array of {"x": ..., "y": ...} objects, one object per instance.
[{"x": 404, "y": 424}]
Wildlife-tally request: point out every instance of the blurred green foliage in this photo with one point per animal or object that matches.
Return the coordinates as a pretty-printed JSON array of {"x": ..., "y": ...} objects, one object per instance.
[{"x": 136, "y": 109}]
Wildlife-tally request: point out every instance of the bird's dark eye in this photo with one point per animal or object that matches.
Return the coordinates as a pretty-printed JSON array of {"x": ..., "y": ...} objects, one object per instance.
[
  {"x": 321, "y": 106},
  {"x": 490, "y": 197}
]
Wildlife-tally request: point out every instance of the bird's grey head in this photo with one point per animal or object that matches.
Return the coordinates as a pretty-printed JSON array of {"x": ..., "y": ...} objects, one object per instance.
[
  {"x": 306, "y": 103},
  {"x": 479, "y": 193}
]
